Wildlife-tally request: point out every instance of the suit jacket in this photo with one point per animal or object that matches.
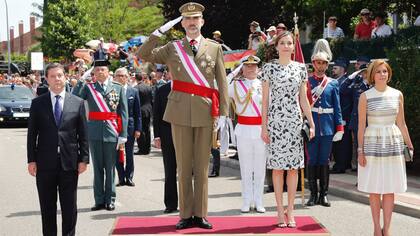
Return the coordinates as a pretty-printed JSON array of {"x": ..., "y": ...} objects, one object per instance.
[
  {"x": 134, "y": 114},
  {"x": 45, "y": 139},
  {"x": 115, "y": 99},
  {"x": 161, "y": 128},
  {"x": 146, "y": 98},
  {"x": 185, "y": 109}
]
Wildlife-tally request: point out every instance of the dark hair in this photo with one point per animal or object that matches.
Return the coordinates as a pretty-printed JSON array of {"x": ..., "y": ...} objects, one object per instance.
[
  {"x": 53, "y": 66},
  {"x": 284, "y": 34}
]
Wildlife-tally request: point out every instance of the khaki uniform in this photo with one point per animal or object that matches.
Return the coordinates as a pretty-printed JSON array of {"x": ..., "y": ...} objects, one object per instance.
[{"x": 190, "y": 117}]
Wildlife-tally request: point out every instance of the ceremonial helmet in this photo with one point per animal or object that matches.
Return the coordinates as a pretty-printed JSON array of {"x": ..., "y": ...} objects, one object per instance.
[{"x": 321, "y": 51}]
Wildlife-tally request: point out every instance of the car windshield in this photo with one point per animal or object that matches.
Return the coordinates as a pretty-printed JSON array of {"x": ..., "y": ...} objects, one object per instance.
[{"x": 21, "y": 93}]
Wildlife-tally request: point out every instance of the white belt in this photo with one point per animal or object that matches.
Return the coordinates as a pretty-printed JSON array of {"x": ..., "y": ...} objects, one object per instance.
[{"x": 321, "y": 110}]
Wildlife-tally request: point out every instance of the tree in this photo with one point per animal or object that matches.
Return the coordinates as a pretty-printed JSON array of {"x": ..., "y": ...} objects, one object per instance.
[
  {"x": 120, "y": 20},
  {"x": 65, "y": 28}
]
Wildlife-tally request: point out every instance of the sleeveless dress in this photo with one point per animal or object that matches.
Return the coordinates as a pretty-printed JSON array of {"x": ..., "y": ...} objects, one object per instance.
[
  {"x": 285, "y": 150},
  {"x": 383, "y": 145}
]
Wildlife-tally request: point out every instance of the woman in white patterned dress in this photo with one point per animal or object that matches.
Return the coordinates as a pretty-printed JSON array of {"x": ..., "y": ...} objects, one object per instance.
[
  {"x": 381, "y": 144},
  {"x": 284, "y": 93}
]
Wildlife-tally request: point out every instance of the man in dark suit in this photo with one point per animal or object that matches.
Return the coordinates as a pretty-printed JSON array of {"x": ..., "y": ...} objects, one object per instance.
[
  {"x": 146, "y": 98},
  {"x": 57, "y": 150},
  {"x": 163, "y": 139},
  {"x": 133, "y": 128}
]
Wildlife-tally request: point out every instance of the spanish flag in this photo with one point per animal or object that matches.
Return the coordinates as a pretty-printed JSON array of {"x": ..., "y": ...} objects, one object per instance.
[{"x": 233, "y": 57}]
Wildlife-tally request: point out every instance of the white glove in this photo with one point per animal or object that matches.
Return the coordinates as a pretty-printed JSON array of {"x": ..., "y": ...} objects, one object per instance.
[
  {"x": 121, "y": 140},
  {"x": 221, "y": 122},
  {"x": 338, "y": 136},
  {"x": 234, "y": 73},
  {"x": 166, "y": 27}
]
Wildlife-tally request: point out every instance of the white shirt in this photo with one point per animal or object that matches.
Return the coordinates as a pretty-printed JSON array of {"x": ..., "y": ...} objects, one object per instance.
[
  {"x": 250, "y": 131},
  {"x": 381, "y": 31},
  {"x": 125, "y": 88},
  {"x": 104, "y": 84},
  {"x": 61, "y": 101},
  {"x": 198, "y": 39}
]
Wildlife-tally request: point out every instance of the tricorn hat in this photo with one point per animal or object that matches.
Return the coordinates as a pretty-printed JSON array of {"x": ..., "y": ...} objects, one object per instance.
[{"x": 101, "y": 63}]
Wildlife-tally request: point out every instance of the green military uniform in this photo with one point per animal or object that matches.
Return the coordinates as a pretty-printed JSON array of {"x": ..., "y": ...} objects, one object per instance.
[
  {"x": 190, "y": 117},
  {"x": 102, "y": 139}
]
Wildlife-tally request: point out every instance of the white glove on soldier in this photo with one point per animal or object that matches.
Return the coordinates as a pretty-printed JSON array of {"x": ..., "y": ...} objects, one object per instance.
[
  {"x": 121, "y": 140},
  {"x": 338, "y": 136},
  {"x": 166, "y": 27},
  {"x": 221, "y": 122},
  {"x": 234, "y": 73}
]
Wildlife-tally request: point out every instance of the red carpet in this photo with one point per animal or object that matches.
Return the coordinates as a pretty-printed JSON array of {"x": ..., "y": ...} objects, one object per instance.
[{"x": 306, "y": 225}]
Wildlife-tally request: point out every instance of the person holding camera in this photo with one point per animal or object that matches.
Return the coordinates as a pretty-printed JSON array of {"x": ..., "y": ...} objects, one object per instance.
[{"x": 256, "y": 36}]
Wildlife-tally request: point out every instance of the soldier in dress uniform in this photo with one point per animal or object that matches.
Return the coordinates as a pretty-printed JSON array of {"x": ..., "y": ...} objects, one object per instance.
[
  {"x": 107, "y": 130},
  {"x": 359, "y": 85},
  {"x": 247, "y": 95},
  {"x": 328, "y": 121},
  {"x": 342, "y": 150},
  {"x": 197, "y": 66}
]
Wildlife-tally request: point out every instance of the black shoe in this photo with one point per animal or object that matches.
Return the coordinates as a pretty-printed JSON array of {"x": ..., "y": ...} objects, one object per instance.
[
  {"x": 214, "y": 174},
  {"x": 110, "y": 207},
  {"x": 202, "y": 223},
  {"x": 98, "y": 207},
  {"x": 313, "y": 185},
  {"x": 324, "y": 179},
  {"x": 336, "y": 171},
  {"x": 120, "y": 183},
  {"x": 169, "y": 210},
  {"x": 130, "y": 183},
  {"x": 185, "y": 223},
  {"x": 270, "y": 189}
]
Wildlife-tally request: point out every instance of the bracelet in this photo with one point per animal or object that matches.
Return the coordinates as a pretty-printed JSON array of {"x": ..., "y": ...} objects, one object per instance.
[{"x": 359, "y": 149}]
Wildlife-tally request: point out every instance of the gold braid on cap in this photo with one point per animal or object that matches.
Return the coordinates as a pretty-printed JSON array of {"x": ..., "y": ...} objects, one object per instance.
[{"x": 245, "y": 101}]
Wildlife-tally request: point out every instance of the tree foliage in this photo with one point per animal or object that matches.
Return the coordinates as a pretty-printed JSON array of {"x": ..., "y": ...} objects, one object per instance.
[
  {"x": 65, "y": 28},
  {"x": 120, "y": 20}
]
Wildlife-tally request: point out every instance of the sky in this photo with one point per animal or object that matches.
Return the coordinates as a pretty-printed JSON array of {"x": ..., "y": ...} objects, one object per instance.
[{"x": 18, "y": 10}]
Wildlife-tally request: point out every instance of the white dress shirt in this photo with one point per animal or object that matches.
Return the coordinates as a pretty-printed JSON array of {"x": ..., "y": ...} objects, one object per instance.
[
  {"x": 61, "y": 101},
  {"x": 198, "y": 39}
]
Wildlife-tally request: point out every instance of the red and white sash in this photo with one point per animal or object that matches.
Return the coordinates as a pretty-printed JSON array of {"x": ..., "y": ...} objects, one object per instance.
[
  {"x": 100, "y": 102},
  {"x": 190, "y": 66},
  {"x": 245, "y": 89},
  {"x": 318, "y": 90}
]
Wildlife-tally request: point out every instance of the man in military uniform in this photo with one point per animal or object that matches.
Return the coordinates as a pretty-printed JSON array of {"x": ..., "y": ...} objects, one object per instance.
[
  {"x": 342, "y": 150},
  {"x": 107, "y": 130},
  {"x": 329, "y": 128},
  {"x": 196, "y": 64}
]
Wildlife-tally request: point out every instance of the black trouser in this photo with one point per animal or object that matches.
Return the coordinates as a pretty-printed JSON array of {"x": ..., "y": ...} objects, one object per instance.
[
  {"x": 143, "y": 142},
  {"x": 127, "y": 173},
  {"x": 47, "y": 183},
  {"x": 342, "y": 152},
  {"x": 169, "y": 165},
  {"x": 216, "y": 160}
]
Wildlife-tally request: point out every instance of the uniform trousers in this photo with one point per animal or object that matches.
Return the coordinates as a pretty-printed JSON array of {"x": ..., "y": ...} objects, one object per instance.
[
  {"x": 104, "y": 157},
  {"x": 342, "y": 151},
  {"x": 192, "y": 149},
  {"x": 252, "y": 162},
  {"x": 319, "y": 150},
  {"x": 127, "y": 173}
]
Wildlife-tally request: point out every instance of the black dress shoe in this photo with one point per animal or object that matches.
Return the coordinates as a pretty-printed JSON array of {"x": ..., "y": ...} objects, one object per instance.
[
  {"x": 110, "y": 207},
  {"x": 170, "y": 210},
  {"x": 202, "y": 223},
  {"x": 185, "y": 223},
  {"x": 121, "y": 183},
  {"x": 130, "y": 183},
  {"x": 270, "y": 189},
  {"x": 213, "y": 174},
  {"x": 98, "y": 207}
]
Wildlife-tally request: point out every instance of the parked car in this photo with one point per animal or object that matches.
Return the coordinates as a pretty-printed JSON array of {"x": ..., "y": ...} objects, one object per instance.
[{"x": 15, "y": 102}]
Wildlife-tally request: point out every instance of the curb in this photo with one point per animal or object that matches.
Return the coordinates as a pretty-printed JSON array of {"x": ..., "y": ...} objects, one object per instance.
[{"x": 400, "y": 207}]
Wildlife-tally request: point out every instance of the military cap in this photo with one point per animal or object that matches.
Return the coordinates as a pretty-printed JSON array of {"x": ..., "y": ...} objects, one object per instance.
[
  {"x": 342, "y": 62},
  {"x": 363, "y": 67},
  {"x": 101, "y": 63},
  {"x": 191, "y": 9},
  {"x": 363, "y": 58},
  {"x": 254, "y": 23},
  {"x": 217, "y": 33},
  {"x": 250, "y": 60}
]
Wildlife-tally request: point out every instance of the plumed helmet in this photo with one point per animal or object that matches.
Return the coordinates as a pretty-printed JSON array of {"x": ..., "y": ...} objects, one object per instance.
[{"x": 321, "y": 51}]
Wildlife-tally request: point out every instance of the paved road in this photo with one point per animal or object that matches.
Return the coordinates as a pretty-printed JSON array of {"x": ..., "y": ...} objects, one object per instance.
[{"x": 19, "y": 208}]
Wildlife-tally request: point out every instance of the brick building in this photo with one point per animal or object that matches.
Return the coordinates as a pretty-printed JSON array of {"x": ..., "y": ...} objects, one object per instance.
[{"x": 21, "y": 43}]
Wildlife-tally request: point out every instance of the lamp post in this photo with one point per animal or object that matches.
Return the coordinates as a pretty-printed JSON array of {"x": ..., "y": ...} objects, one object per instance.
[{"x": 8, "y": 39}]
